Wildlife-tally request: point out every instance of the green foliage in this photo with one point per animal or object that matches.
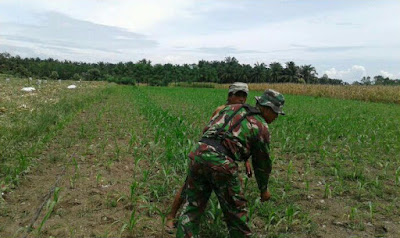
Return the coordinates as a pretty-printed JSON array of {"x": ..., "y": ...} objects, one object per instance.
[
  {"x": 194, "y": 85},
  {"x": 228, "y": 70},
  {"x": 76, "y": 77},
  {"x": 121, "y": 80},
  {"x": 93, "y": 75},
  {"x": 50, "y": 208},
  {"x": 54, "y": 75}
]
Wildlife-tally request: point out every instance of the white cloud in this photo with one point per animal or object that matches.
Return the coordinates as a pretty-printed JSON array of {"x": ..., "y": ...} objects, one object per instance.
[
  {"x": 135, "y": 15},
  {"x": 386, "y": 74},
  {"x": 389, "y": 75},
  {"x": 355, "y": 73}
]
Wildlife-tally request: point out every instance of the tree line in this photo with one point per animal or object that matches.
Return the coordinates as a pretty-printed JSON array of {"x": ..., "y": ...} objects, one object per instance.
[{"x": 228, "y": 70}]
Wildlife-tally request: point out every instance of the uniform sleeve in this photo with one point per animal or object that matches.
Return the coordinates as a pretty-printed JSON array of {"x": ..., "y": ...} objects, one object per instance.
[{"x": 261, "y": 161}]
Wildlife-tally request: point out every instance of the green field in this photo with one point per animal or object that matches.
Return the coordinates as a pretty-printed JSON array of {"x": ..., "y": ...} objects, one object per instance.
[{"x": 111, "y": 158}]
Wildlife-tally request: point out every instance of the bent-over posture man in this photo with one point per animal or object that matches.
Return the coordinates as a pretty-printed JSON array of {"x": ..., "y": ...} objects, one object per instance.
[
  {"x": 237, "y": 94},
  {"x": 235, "y": 134}
]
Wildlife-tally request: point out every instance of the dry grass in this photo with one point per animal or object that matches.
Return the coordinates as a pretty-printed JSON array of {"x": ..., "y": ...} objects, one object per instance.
[{"x": 387, "y": 94}]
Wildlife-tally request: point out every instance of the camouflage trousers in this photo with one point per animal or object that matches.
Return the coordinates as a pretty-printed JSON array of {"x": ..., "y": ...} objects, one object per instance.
[{"x": 212, "y": 172}]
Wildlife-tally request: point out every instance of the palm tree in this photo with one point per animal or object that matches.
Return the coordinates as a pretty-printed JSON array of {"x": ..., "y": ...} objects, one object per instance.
[
  {"x": 276, "y": 71},
  {"x": 259, "y": 72},
  {"x": 291, "y": 72},
  {"x": 309, "y": 73}
]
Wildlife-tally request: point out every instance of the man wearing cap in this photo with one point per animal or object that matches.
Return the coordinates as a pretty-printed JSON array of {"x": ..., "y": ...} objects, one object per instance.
[
  {"x": 233, "y": 135},
  {"x": 237, "y": 94}
]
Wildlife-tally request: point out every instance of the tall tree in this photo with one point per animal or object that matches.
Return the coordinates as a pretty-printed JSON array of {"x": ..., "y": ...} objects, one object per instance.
[
  {"x": 308, "y": 73},
  {"x": 276, "y": 71}
]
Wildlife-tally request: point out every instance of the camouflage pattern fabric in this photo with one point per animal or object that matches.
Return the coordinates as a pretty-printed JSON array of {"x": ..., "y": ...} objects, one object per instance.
[{"x": 211, "y": 170}]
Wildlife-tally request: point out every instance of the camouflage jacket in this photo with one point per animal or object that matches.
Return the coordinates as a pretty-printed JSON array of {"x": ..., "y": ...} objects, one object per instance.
[{"x": 249, "y": 138}]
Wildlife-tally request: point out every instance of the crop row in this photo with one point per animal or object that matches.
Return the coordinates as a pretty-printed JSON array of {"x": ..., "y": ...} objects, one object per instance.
[{"x": 387, "y": 94}]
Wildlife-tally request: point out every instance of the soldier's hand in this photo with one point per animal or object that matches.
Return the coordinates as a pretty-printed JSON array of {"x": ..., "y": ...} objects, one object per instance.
[
  {"x": 265, "y": 196},
  {"x": 248, "y": 169}
]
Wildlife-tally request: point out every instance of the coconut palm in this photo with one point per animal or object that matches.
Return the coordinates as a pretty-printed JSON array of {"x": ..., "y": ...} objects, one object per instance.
[
  {"x": 276, "y": 71},
  {"x": 308, "y": 73}
]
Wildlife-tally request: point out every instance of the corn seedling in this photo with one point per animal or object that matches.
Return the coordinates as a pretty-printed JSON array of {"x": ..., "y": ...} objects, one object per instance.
[
  {"x": 290, "y": 214},
  {"x": 145, "y": 174},
  {"x": 117, "y": 151},
  {"x": 133, "y": 220},
  {"x": 133, "y": 187},
  {"x": 377, "y": 182},
  {"x": 289, "y": 171},
  {"x": 353, "y": 214},
  {"x": 397, "y": 176},
  {"x": 252, "y": 208},
  {"x": 371, "y": 210},
  {"x": 98, "y": 179},
  {"x": 74, "y": 177},
  {"x": 327, "y": 191},
  {"x": 50, "y": 208},
  {"x": 132, "y": 140},
  {"x": 307, "y": 187},
  {"x": 163, "y": 216}
]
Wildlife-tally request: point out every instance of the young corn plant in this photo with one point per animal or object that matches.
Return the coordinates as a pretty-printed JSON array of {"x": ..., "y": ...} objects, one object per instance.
[
  {"x": 50, "y": 208},
  {"x": 117, "y": 150},
  {"x": 355, "y": 219},
  {"x": 73, "y": 178},
  {"x": 289, "y": 172},
  {"x": 133, "y": 188},
  {"x": 163, "y": 216},
  {"x": 132, "y": 140},
  {"x": 290, "y": 214},
  {"x": 252, "y": 208},
  {"x": 327, "y": 191},
  {"x": 131, "y": 224},
  {"x": 353, "y": 214},
  {"x": 371, "y": 210},
  {"x": 397, "y": 176},
  {"x": 146, "y": 174},
  {"x": 307, "y": 187},
  {"x": 98, "y": 179}
]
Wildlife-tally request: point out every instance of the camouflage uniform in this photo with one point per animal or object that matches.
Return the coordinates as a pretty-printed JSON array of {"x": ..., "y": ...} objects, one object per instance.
[{"x": 213, "y": 167}]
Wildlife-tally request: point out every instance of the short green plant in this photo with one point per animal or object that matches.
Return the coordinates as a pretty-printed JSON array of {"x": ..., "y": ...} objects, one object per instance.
[
  {"x": 397, "y": 176},
  {"x": 327, "y": 191},
  {"x": 371, "y": 210},
  {"x": 98, "y": 179},
  {"x": 353, "y": 214},
  {"x": 50, "y": 208}
]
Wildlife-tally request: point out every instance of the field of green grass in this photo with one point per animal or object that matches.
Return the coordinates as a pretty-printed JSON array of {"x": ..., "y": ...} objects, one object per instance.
[{"x": 107, "y": 160}]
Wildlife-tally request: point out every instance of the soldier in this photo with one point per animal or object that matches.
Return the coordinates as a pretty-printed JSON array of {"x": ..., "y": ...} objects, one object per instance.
[
  {"x": 234, "y": 134},
  {"x": 237, "y": 94}
]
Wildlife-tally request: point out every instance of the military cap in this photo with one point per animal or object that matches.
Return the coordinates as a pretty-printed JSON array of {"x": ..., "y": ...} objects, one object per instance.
[
  {"x": 238, "y": 86},
  {"x": 273, "y": 99}
]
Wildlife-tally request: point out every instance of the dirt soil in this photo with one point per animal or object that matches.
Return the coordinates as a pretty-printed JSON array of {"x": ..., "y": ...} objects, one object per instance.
[{"x": 94, "y": 177}]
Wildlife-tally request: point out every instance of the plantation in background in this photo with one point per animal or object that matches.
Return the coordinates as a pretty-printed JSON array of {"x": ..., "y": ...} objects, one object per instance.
[
  {"x": 114, "y": 166},
  {"x": 387, "y": 94}
]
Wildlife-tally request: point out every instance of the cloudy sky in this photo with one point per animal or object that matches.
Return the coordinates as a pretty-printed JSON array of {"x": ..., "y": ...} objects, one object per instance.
[{"x": 344, "y": 39}]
